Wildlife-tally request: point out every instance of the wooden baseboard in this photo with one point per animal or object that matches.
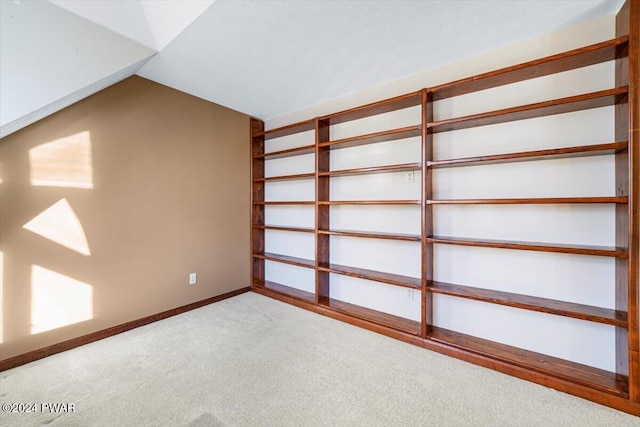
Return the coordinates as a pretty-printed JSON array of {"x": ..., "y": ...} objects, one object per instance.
[
  {"x": 559, "y": 384},
  {"x": 41, "y": 353}
]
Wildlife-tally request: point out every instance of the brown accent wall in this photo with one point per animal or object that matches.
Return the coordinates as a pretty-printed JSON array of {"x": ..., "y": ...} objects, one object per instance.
[{"x": 159, "y": 181}]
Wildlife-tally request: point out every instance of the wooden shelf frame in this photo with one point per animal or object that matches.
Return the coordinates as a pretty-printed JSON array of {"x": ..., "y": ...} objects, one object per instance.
[
  {"x": 606, "y": 251},
  {"x": 376, "y": 276},
  {"x": 569, "y": 104},
  {"x": 599, "y": 379},
  {"x": 620, "y": 389},
  {"x": 371, "y": 235},
  {"x": 526, "y": 302},
  {"x": 531, "y": 201},
  {"x": 373, "y": 138},
  {"x": 549, "y": 154},
  {"x": 565, "y": 61},
  {"x": 284, "y": 228},
  {"x": 286, "y": 259},
  {"x": 297, "y": 176},
  {"x": 400, "y": 167}
]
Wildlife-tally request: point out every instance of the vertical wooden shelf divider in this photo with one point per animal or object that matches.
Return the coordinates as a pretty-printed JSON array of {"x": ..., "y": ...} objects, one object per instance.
[
  {"x": 427, "y": 213},
  {"x": 323, "y": 211},
  {"x": 619, "y": 389},
  {"x": 257, "y": 196},
  {"x": 626, "y": 164}
]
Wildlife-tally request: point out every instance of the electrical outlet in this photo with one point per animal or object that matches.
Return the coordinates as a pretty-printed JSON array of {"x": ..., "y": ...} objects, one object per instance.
[
  {"x": 192, "y": 278},
  {"x": 409, "y": 176}
]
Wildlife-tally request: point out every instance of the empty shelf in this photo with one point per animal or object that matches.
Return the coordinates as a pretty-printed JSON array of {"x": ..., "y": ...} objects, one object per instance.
[
  {"x": 563, "y": 105},
  {"x": 372, "y": 235},
  {"x": 286, "y": 290},
  {"x": 378, "y": 276},
  {"x": 600, "y": 379},
  {"x": 374, "y": 316},
  {"x": 532, "y": 246},
  {"x": 577, "y": 58},
  {"x": 286, "y": 259},
  {"x": 544, "y": 305},
  {"x": 555, "y": 153},
  {"x": 372, "y": 138}
]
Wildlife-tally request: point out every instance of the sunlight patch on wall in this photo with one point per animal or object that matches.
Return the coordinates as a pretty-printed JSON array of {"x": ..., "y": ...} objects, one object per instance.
[
  {"x": 58, "y": 300},
  {"x": 65, "y": 162},
  {"x": 60, "y": 224}
]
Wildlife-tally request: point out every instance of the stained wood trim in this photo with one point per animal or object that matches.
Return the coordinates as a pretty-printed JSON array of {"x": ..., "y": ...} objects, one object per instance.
[
  {"x": 373, "y": 109},
  {"x": 555, "y": 153},
  {"x": 372, "y": 138},
  {"x": 573, "y": 59},
  {"x": 534, "y": 200},
  {"x": 310, "y": 175},
  {"x": 540, "y": 109},
  {"x": 403, "y": 167},
  {"x": 372, "y": 235},
  {"x": 41, "y": 353},
  {"x": 370, "y": 202},
  {"x": 289, "y": 152},
  {"x": 286, "y": 202},
  {"x": 287, "y": 130},
  {"x": 284, "y": 290},
  {"x": 605, "y": 381},
  {"x": 284, "y": 228},
  {"x": 533, "y": 246},
  {"x": 378, "y": 276},
  {"x": 526, "y": 302},
  {"x": 385, "y": 319},
  {"x": 286, "y": 259}
]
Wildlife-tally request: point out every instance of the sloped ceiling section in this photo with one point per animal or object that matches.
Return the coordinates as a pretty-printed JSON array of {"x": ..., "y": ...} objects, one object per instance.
[
  {"x": 269, "y": 58},
  {"x": 152, "y": 23},
  {"x": 51, "y": 58}
]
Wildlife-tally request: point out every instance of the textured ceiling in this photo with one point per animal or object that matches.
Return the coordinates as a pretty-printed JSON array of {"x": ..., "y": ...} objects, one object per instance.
[
  {"x": 270, "y": 58},
  {"x": 263, "y": 58}
]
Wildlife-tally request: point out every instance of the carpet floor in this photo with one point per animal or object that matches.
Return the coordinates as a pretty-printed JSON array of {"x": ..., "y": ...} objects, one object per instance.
[{"x": 254, "y": 361}]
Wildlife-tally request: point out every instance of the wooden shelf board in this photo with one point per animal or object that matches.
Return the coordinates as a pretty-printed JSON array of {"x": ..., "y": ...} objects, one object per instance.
[
  {"x": 385, "y": 106},
  {"x": 287, "y": 130},
  {"x": 286, "y": 290},
  {"x": 372, "y": 235},
  {"x": 544, "y": 305},
  {"x": 557, "y": 106},
  {"x": 577, "y": 58},
  {"x": 533, "y": 246},
  {"x": 286, "y": 259},
  {"x": 537, "y": 200},
  {"x": 378, "y": 276},
  {"x": 372, "y": 138},
  {"x": 555, "y": 153},
  {"x": 602, "y": 380},
  {"x": 286, "y": 202},
  {"x": 385, "y": 319},
  {"x": 374, "y": 169},
  {"x": 370, "y": 202},
  {"x": 285, "y": 228},
  {"x": 289, "y": 152},
  {"x": 310, "y": 175}
]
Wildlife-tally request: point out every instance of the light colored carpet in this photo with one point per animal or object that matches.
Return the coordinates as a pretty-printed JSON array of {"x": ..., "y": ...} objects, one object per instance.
[{"x": 254, "y": 361}]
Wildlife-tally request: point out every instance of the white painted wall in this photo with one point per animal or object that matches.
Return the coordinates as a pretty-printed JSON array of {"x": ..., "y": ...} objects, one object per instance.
[
  {"x": 582, "y": 279},
  {"x": 50, "y": 58}
]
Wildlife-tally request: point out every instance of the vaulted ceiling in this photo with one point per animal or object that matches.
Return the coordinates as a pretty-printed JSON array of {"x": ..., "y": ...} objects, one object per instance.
[{"x": 263, "y": 58}]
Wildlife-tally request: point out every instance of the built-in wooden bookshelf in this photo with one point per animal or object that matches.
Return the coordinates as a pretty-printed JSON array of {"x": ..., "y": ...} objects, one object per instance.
[{"x": 619, "y": 389}]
